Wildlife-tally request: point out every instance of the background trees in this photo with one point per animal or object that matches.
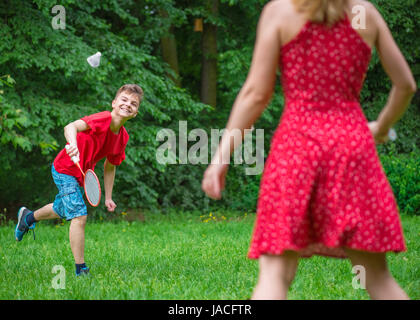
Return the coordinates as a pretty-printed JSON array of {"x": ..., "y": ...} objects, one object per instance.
[{"x": 45, "y": 83}]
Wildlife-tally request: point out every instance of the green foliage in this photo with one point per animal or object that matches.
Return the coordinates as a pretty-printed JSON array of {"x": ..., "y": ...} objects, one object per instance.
[
  {"x": 242, "y": 193},
  {"x": 403, "y": 174},
  {"x": 45, "y": 82},
  {"x": 11, "y": 121},
  {"x": 55, "y": 85}
]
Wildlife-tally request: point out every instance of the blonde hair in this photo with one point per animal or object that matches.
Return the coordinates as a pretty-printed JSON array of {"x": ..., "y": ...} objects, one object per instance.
[{"x": 322, "y": 11}]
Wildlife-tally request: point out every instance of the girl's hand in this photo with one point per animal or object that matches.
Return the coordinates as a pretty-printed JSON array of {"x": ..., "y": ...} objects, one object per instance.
[
  {"x": 379, "y": 134},
  {"x": 110, "y": 205},
  {"x": 214, "y": 180}
]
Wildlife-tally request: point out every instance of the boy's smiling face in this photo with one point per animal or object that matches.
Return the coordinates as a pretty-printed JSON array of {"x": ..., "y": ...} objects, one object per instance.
[{"x": 126, "y": 105}]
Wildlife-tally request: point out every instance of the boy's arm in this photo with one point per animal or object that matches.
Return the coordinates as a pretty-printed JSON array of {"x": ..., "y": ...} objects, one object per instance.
[
  {"x": 70, "y": 132},
  {"x": 109, "y": 176}
]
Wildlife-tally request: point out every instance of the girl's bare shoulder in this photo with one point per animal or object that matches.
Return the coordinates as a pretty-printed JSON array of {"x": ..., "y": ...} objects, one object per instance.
[
  {"x": 282, "y": 9},
  {"x": 370, "y": 9}
]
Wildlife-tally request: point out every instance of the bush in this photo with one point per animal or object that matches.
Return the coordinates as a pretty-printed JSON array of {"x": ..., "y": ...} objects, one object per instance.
[{"x": 403, "y": 174}]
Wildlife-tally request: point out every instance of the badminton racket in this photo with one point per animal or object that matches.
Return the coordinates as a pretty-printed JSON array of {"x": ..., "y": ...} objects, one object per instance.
[{"x": 90, "y": 183}]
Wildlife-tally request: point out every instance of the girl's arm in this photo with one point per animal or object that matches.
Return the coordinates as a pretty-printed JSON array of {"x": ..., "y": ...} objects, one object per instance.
[
  {"x": 259, "y": 85},
  {"x": 396, "y": 67},
  {"x": 251, "y": 100}
]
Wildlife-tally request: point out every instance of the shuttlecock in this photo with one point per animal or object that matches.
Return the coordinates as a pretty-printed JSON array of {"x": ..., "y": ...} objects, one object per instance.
[
  {"x": 392, "y": 134},
  {"x": 94, "y": 60}
]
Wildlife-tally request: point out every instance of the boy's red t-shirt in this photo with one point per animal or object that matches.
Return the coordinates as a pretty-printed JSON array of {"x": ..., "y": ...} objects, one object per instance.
[{"x": 94, "y": 144}]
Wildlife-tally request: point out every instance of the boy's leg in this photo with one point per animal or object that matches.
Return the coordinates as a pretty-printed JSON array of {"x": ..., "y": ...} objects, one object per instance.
[
  {"x": 45, "y": 213},
  {"x": 77, "y": 238},
  {"x": 27, "y": 219},
  {"x": 275, "y": 276},
  {"x": 379, "y": 282},
  {"x": 69, "y": 205},
  {"x": 24, "y": 224}
]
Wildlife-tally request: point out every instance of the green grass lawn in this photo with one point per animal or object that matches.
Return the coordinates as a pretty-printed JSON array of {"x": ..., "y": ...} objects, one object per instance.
[{"x": 175, "y": 256}]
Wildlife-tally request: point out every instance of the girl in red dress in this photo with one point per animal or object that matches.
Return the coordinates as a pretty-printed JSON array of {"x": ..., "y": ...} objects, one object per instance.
[{"x": 323, "y": 190}]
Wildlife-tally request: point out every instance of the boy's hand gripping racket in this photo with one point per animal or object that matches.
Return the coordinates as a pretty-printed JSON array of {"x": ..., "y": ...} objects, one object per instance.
[{"x": 90, "y": 183}]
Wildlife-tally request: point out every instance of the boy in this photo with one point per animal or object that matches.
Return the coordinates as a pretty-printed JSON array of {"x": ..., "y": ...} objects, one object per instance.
[{"x": 91, "y": 138}]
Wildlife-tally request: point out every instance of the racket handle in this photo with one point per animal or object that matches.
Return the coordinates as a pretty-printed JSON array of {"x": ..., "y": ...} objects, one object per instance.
[{"x": 75, "y": 159}]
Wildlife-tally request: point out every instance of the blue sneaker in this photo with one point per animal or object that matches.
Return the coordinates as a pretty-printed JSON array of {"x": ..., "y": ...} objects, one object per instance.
[
  {"x": 22, "y": 228},
  {"x": 83, "y": 272}
]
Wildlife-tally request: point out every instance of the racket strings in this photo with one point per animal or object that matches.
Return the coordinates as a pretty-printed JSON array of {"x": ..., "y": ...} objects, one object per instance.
[{"x": 92, "y": 188}]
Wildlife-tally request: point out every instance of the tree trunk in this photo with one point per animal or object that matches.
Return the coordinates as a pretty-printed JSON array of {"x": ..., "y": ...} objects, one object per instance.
[
  {"x": 209, "y": 58},
  {"x": 169, "y": 52}
]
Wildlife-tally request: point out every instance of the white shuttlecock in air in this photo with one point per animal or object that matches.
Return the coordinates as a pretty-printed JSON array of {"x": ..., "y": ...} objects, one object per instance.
[
  {"x": 392, "y": 134},
  {"x": 94, "y": 60}
]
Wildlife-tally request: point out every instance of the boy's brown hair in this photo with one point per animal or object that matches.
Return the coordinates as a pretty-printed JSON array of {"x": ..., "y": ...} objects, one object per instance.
[{"x": 132, "y": 89}]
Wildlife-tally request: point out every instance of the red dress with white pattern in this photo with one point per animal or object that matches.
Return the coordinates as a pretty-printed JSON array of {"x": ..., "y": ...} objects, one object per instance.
[{"x": 323, "y": 186}]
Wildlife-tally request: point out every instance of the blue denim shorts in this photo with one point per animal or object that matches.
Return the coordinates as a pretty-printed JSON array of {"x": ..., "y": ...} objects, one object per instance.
[{"x": 68, "y": 203}]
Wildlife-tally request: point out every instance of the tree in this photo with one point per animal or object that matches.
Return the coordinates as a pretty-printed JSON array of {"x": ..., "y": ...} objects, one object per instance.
[
  {"x": 169, "y": 51},
  {"x": 209, "y": 56}
]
